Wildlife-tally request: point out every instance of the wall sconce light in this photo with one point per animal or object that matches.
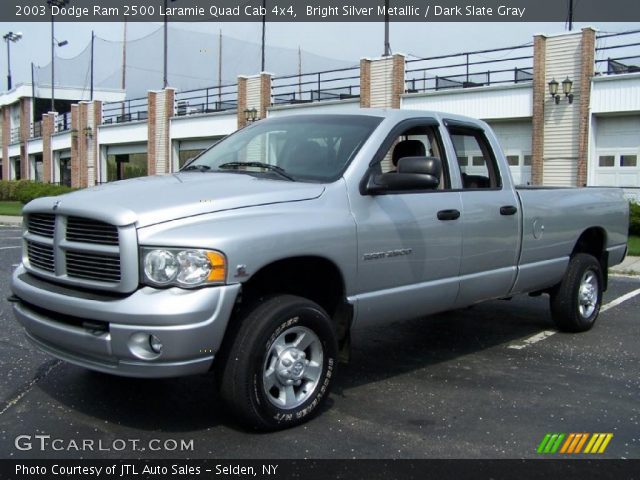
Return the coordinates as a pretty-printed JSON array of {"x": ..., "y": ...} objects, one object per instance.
[
  {"x": 553, "y": 90},
  {"x": 251, "y": 115},
  {"x": 88, "y": 132},
  {"x": 567, "y": 85}
]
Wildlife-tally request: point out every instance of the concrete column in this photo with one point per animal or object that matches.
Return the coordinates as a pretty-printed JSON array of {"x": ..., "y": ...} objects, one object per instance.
[
  {"x": 48, "y": 123},
  {"x": 6, "y": 138},
  {"x": 382, "y": 81},
  {"x": 254, "y": 92},
  {"x": 161, "y": 109},
  {"x": 25, "y": 134},
  {"x": 587, "y": 61},
  {"x": 539, "y": 99}
]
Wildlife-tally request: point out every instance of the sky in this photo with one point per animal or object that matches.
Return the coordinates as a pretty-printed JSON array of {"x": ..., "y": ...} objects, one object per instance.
[{"x": 342, "y": 41}]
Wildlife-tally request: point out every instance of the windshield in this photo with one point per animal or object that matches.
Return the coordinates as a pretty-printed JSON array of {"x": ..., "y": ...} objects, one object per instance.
[{"x": 313, "y": 148}]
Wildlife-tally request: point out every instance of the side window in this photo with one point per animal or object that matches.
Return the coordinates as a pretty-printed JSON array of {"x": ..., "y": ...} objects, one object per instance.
[
  {"x": 416, "y": 142},
  {"x": 477, "y": 163}
]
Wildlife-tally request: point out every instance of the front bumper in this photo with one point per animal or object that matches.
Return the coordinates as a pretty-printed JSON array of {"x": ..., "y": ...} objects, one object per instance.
[{"x": 95, "y": 330}]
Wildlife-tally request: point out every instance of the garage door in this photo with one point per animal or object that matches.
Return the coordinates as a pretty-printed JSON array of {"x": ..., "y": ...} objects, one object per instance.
[
  {"x": 515, "y": 138},
  {"x": 616, "y": 160}
]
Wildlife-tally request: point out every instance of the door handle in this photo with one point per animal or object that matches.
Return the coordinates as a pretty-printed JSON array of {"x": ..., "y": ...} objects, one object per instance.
[
  {"x": 448, "y": 214},
  {"x": 508, "y": 210}
]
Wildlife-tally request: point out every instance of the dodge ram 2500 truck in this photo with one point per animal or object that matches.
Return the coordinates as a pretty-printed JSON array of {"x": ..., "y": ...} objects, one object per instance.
[{"x": 258, "y": 257}]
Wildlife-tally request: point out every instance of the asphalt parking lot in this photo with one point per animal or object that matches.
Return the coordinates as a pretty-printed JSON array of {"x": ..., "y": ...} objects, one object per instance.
[{"x": 450, "y": 386}]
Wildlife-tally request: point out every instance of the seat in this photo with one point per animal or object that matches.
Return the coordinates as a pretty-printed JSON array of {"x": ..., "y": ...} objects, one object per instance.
[
  {"x": 307, "y": 158},
  {"x": 407, "y": 148}
]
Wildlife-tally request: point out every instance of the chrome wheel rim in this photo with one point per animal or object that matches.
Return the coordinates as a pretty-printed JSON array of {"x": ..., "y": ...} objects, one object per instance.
[
  {"x": 588, "y": 294},
  {"x": 292, "y": 368}
]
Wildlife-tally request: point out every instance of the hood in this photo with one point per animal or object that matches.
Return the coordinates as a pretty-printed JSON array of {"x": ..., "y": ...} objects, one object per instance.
[{"x": 150, "y": 200}]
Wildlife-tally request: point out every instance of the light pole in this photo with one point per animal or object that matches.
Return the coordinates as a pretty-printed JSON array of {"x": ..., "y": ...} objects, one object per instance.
[
  {"x": 54, "y": 3},
  {"x": 10, "y": 37}
]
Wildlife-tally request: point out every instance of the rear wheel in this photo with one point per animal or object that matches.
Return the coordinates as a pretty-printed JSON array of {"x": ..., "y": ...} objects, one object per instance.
[
  {"x": 576, "y": 301},
  {"x": 279, "y": 368}
]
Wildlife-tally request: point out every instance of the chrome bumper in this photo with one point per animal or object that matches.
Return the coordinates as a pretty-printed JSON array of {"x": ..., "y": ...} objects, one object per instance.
[{"x": 96, "y": 331}]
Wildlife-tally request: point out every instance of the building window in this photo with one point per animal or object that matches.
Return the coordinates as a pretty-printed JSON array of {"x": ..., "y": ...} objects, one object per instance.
[
  {"x": 463, "y": 161},
  {"x": 607, "y": 161},
  {"x": 513, "y": 160},
  {"x": 478, "y": 161},
  {"x": 65, "y": 171},
  {"x": 527, "y": 160},
  {"x": 123, "y": 166},
  {"x": 628, "y": 160}
]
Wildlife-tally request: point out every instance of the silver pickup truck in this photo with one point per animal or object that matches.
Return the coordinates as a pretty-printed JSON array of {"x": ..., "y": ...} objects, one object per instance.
[{"x": 261, "y": 254}]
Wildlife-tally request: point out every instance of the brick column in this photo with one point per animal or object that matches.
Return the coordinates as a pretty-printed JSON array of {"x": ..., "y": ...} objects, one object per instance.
[
  {"x": 242, "y": 101},
  {"x": 587, "y": 58},
  {"x": 48, "y": 122},
  {"x": 6, "y": 138},
  {"x": 539, "y": 97},
  {"x": 398, "y": 79},
  {"x": 25, "y": 134},
  {"x": 254, "y": 92},
  {"x": 382, "y": 82},
  {"x": 265, "y": 94},
  {"x": 365, "y": 83},
  {"x": 76, "y": 167},
  {"x": 161, "y": 109}
]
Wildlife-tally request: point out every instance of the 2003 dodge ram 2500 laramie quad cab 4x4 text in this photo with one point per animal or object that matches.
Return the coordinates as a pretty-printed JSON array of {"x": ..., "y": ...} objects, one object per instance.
[{"x": 258, "y": 257}]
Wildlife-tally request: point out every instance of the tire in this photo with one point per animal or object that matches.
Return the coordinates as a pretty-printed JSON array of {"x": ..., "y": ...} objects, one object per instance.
[
  {"x": 265, "y": 380},
  {"x": 576, "y": 301}
]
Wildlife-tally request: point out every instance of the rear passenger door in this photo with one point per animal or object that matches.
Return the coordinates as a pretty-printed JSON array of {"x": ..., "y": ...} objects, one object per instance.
[{"x": 490, "y": 238}]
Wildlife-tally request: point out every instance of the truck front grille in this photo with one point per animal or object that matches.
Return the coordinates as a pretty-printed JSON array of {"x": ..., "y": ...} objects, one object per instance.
[
  {"x": 103, "y": 268},
  {"x": 91, "y": 231},
  {"x": 81, "y": 251},
  {"x": 42, "y": 224},
  {"x": 41, "y": 256}
]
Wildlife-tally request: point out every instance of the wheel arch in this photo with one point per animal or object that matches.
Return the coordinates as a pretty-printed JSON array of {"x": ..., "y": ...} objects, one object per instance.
[{"x": 593, "y": 241}]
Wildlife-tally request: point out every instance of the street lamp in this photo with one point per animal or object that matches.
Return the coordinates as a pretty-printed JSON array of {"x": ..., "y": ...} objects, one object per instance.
[
  {"x": 60, "y": 4},
  {"x": 10, "y": 37}
]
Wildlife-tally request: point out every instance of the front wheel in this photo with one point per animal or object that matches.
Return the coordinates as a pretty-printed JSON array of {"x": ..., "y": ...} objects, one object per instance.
[
  {"x": 281, "y": 363},
  {"x": 576, "y": 301}
]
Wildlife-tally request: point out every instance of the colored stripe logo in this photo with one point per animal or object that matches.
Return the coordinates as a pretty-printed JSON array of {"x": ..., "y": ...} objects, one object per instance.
[{"x": 574, "y": 443}]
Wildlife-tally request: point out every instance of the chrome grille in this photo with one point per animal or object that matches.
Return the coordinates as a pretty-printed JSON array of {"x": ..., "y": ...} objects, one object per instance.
[
  {"x": 81, "y": 251},
  {"x": 91, "y": 231},
  {"x": 42, "y": 224},
  {"x": 41, "y": 256},
  {"x": 93, "y": 266}
]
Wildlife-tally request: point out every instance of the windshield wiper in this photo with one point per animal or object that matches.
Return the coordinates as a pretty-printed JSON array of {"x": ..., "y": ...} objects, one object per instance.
[
  {"x": 273, "y": 168},
  {"x": 200, "y": 168}
]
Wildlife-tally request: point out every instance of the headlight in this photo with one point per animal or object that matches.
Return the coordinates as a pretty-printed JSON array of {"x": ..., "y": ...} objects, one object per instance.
[{"x": 184, "y": 268}]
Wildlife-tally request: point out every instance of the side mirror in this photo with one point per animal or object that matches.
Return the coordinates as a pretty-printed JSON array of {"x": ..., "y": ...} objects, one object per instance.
[{"x": 414, "y": 173}]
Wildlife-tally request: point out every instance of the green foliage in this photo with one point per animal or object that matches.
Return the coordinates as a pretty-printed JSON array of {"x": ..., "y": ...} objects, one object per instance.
[
  {"x": 24, "y": 191},
  {"x": 634, "y": 219}
]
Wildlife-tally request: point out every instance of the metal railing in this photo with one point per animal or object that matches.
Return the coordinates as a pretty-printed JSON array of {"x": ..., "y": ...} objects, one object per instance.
[
  {"x": 63, "y": 122},
  {"x": 470, "y": 69},
  {"x": 338, "y": 84},
  {"x": 14, "y": 136},
  {"x": 36, "y": 129},
  {"x": 133, "y": 110},
  {"x": 618, "y": 53},
  {"x": 207, "y": 100}
]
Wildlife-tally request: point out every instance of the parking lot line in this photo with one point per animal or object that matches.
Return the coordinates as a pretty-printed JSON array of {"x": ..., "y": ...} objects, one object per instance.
[
  {"x": 9, "y": 248},
  {"x": 532, "y": 339},
  {"x": 547, "y": 333},
  {"x": 619, "y": 300}
]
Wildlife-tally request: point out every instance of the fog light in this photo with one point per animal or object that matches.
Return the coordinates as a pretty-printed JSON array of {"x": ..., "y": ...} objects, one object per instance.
[
  {"x": 155, "y": 344},
  {"x": 145, "y": 346}
]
